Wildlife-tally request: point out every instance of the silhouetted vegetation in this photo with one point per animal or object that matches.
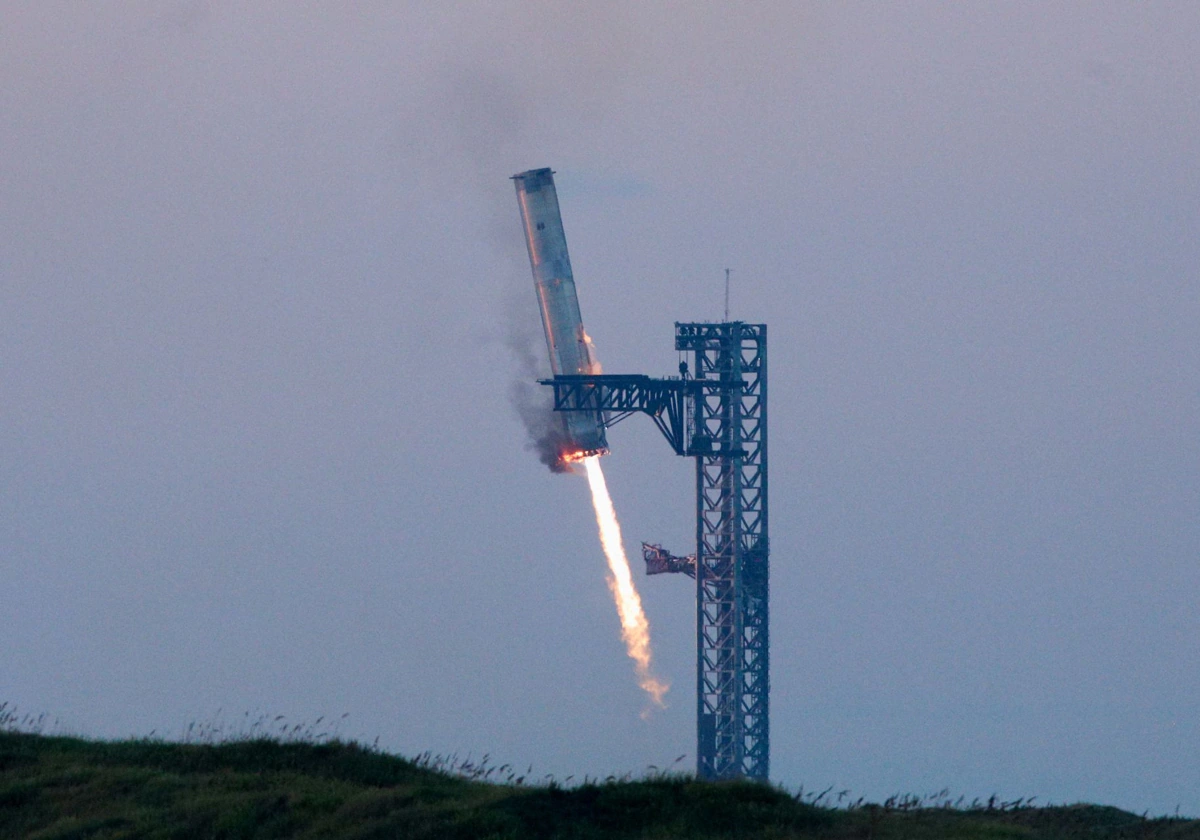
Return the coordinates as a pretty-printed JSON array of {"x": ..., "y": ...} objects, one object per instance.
[{"x": 265, "y": 787}]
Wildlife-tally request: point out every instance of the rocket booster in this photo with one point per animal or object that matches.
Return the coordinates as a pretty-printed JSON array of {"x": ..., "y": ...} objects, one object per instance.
[{"x": 570, "y": 349}]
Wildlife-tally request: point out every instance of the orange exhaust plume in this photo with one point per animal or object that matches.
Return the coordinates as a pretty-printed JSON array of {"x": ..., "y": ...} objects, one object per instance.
[{"x": 635, "y": 629}]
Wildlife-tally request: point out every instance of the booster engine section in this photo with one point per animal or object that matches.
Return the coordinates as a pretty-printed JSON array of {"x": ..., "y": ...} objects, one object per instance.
[{"x": 570, "y": 349}]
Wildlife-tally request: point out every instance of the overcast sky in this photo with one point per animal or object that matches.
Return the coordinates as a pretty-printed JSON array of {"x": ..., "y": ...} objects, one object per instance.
[{"x": 261, "y": 277}]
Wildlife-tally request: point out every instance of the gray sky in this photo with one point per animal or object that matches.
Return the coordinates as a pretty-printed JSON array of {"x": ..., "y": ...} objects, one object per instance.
[{"x": 261, "y": 270}]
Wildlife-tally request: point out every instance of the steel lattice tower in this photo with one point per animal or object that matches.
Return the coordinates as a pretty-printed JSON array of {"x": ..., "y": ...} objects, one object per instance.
[
  {"x": 729, "y": 442},
  {"x": 718, "y": 415}
]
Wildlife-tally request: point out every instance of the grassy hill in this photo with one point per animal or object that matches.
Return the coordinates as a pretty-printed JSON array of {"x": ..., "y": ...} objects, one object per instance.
[{"x": 55, "y": 787}]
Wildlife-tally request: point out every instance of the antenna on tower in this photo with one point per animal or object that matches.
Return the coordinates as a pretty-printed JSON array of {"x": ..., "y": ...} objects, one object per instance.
[{"x": 727, "y": 295}]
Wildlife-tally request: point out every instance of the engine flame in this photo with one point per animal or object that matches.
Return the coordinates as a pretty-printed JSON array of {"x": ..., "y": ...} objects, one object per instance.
[{"x": 635, "y": 629}]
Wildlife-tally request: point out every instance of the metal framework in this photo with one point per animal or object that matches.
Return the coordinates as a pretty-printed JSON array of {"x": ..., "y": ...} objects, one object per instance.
[
  {"x": 617, "y": 396},
  {"x": 718, "y": 415},
  {"x": 659, "y": 561}
]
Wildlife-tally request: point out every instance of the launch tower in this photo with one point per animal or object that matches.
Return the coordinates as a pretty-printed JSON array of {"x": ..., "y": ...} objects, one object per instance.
[{"x": 715, "y": 412}]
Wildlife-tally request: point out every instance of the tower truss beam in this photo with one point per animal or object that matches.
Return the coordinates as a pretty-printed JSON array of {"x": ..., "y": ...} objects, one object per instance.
[{"x": 618, "y": 396}]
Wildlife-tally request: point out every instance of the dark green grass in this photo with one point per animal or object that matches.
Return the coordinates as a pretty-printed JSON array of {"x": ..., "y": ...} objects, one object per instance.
[{"x": 55, "y": 787}]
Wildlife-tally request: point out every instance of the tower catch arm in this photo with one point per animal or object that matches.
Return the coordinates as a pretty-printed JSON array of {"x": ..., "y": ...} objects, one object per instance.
[{"x": 618, "y": 396}]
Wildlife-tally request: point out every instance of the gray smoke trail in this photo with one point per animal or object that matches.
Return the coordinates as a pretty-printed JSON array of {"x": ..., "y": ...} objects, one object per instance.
[{"x": 532, "y": 402}]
